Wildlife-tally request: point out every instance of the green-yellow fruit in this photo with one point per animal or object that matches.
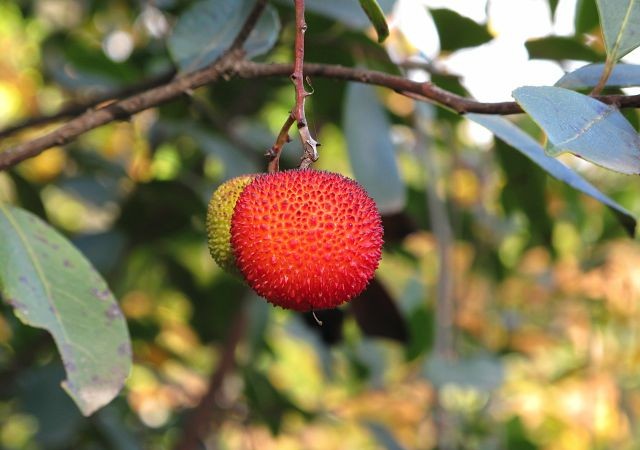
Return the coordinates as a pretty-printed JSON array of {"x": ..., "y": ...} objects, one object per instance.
[{"x": 219, "y": 213}]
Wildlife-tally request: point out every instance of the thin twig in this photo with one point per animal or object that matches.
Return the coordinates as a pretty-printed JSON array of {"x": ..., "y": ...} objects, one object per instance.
[
  {"x": 309, "y": 144},
  {"x": 200, "y": 423},
  {"x": 231, "y": 65},
  {"x": 274, "y": 152}
]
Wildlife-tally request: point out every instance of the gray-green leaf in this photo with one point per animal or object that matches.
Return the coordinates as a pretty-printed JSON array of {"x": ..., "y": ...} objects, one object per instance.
[
  {"x": 521, "y": 141},
  {"x": 371, "y": 152},
  {"x": 207, "y": 29},
  {"x": 51, "y": 285},
  {"x": 620, "y": 20},
  {"x": 623, "y": 75},
  {"x": 583, "y": 126}
]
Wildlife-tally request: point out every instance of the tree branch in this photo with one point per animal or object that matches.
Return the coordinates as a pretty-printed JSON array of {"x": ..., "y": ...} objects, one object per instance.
[
  {"x": 309, "y": 144},
  {"x": 124, "y": 109},
  {"x": 75, "y": 108},
  {"x": 232, "y": 65}
]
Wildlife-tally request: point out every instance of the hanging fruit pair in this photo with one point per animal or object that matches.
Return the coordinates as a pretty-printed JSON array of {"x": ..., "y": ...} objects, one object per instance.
[{"x": 302, "y": 239}]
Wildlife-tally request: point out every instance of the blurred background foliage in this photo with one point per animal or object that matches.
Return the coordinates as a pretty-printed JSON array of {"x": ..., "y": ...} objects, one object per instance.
[{"x": 544, "y": 282}]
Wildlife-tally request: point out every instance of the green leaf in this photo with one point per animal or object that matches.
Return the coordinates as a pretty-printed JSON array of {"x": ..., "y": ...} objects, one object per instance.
[
  {"x": 560, "y": 48},
  {"x": 623, "y": 75},
  {"x": 620, "y": 21},
  {"x": 586, "y": 17},
  {"x": 51, "y": 285},
  {"x": 521, "y": 141},
  {"x": 207, "y": 29},
  {"x": 457, "y": 31},
  {"x": 583, "y": 126},
  {"x": 371, "y": 152},
  {"x": 553, "y": 4},
  {"x": 376, "y": 16}
]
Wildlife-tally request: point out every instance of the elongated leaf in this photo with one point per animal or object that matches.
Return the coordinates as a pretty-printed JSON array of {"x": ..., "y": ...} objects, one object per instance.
[
  {"x": 620, "y": 20},
  {"x": 623, "y": 75},
  {"x": 376, "y": 16},
  {"x": 207, "y": 29},
  {"x": 449, "y": 24},
  {"x": 586, "y": 16},
  {"x": 371, "y": 151},
  {"x": 583, "y": 126},
  {"x": 560, "y": 48},
  {"x": 51, "y": 285},
  {"x": 521, "y": 141}
]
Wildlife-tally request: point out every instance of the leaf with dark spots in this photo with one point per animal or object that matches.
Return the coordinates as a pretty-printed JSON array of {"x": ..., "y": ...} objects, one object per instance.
[
  {"x": 377, "y": 315},
  {"x": 45, "y": 293}
]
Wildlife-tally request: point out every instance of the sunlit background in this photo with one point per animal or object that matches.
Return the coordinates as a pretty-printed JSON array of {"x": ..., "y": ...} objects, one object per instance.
[{"x": 546, "y": 322}]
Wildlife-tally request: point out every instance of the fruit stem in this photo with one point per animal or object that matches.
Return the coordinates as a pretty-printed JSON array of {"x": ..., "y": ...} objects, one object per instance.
[
  {"x": 274, "y": 152},
  {"x": 308, "y": 143}
]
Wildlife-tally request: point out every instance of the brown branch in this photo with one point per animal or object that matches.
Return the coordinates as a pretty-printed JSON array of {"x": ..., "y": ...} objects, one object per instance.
[
  {"x": 274, "y": 152},
  {"x": 309, "y": 144},
  {"x": 119, "y": 110},
  {"x": 75, "y": 108},
  {"x": 424, "y": 91},
  {"x": 201, "y": 421},
  {"x": 232, "y": 65},
  {"x": 124, "y": 109}
]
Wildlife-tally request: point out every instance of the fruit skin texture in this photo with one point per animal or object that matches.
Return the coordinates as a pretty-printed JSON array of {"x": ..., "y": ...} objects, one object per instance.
[
  {"x": 219, "y": 214},
  {"x": 306, "y": 239}
]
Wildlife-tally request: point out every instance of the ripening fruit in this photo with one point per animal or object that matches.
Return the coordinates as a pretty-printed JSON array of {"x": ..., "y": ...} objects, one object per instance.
[
  {"x": 219, "y": 214},
  {"x": 306, "y": 239}
]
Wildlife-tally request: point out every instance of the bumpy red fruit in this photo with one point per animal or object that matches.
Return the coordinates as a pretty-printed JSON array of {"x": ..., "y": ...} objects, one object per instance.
[{"x": 306, "y": 239}]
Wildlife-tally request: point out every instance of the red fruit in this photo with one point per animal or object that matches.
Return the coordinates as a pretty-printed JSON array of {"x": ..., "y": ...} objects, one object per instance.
[{"x": 306, "y": 239}]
